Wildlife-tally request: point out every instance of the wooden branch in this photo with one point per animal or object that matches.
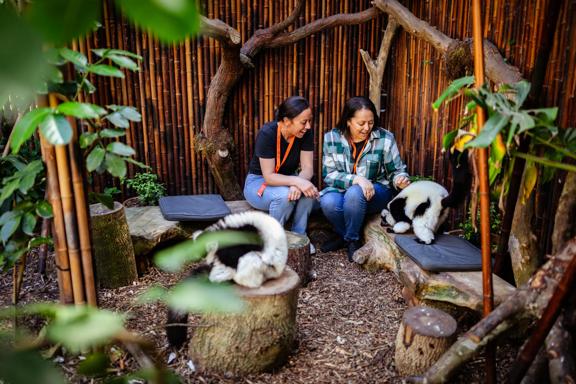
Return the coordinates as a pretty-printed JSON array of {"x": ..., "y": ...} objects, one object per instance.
[
  {"x": 529, "y": 301},
  {"x": 376, "y": 67},
  {"x": 564, "y": 221},
  {"x": 279, "y": 27},
  {"x": 322, "y": 24},
  {"x": 560, "y": 349},
  {"x": 219, "y": 30},
  {"x": 496, "y": 68}
]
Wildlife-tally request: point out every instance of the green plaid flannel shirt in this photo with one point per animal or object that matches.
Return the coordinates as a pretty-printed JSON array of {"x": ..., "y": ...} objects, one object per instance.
[{"x": 379, "y": 162}]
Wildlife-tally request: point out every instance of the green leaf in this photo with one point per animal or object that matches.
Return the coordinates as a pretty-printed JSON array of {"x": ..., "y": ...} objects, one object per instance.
[
  {"x": 550, "y": 113},
  {"x": 130, "y": 113},
  {"x": 9, "y": 189},
  {"x": 524, "y": 121},
  {"x": 118, "y": 120},
  {"x": 453, "y": 89},
  {"x": 111, "y": 133},
  {"x": 115, "y": 165},
  {"x": 10, "y": 227},
  {"x": 152, "y": 295},
  {"x": 28, "y": 223},
  {"x": 137, "y": 163},
  {"x": 81, "y": 110},
  {"x": 448, "y": 139},
  {"x": 94, "y": 365},
  {"x": 87, "y": 138},
  {"x": 44, "y": 209},
  {"x": 55, "y": 75},
  {"x": 95, "y": 158},
  {"x": 488, "y": 133},
  {"x": 38, "y": 241},
  {"x": 105, "y": 52},
  {"x": 120, "y": 149},
  {"x": 8, "y": 216},
  {"x": 106, "y": 199},
  {"x": 27, "y": 367},
  {"x": 88, "y": 86},
  {"x": 74, "y": 57},
  {"x": 124, "y": 62},
  {"x": 105, "y": 70},
  {"x": 26, "y": 127},
  {"x": 56, "y": 129},
  {"x": 522, "y": 90},
  {"x": 173, "y": 259},
  {"x": 199, "y": 295},
  {"x": 171, "y": 21},
  {"x": 60, "y": 21},
  {"x": 81, "y": 327}
]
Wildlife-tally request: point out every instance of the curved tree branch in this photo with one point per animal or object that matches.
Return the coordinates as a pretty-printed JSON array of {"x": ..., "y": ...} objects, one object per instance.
[
  {"x": 279, "y": 27},
  {"x": 219, "y": 30},
  {"x": 497, "y": 70},
  {"x": 322, "y": 24}
]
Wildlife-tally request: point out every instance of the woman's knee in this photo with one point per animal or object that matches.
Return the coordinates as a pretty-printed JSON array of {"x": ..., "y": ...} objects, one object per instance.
[
  {"x": 331, "y": 202},
  {"x": 354, "y": 196}
]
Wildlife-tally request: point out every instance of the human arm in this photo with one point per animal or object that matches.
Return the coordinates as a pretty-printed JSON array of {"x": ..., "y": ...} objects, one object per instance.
[
  {"x": 393, "y": 164},
  {"x": 294, "y": 182},
  {"x": 335, "y": 163}
]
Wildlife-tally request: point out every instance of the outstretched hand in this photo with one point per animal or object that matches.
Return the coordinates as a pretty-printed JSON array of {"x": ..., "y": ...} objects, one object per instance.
[{"x": 402, "y": 182}]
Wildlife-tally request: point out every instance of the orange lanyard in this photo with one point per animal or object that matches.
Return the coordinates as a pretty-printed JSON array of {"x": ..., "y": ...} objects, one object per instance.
[
  {"x": 278, "y": 162},
  {"x": 359, "y": 155}
]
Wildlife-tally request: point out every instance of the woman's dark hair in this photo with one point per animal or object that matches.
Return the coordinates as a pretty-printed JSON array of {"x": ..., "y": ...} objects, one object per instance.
[
  {"x": 291, "y": 107},
  {"x": 353, "y": 105}
]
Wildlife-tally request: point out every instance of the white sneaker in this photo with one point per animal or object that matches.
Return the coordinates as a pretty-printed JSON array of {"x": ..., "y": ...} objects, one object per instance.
[{"x": 312, "y": 249}]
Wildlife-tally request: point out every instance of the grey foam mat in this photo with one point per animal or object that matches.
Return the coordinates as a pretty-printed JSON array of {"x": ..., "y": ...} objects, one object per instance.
[
  {"x": 193, "y": 207},
  {"x": 447, "y": 253}
]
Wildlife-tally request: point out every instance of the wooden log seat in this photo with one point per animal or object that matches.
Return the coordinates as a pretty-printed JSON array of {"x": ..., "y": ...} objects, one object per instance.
[
  {"x": 299, "y": 258},
  {"x": 438, "y": 289},
  {"x": 256, "y": 340},
  {"x": 424, "y": 335}
]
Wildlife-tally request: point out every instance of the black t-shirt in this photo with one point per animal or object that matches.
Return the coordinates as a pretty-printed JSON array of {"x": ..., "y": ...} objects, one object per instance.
[{"x": 266, "y": 149}]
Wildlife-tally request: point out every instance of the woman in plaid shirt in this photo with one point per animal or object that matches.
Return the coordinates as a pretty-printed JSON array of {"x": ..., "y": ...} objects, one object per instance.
[{"x": 360, "y": 164}]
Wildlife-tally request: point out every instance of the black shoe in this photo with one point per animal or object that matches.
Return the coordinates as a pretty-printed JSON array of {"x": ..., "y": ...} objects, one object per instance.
[
  {"x": 353, "y": 246},
  {"x": 334, "y": 243}
]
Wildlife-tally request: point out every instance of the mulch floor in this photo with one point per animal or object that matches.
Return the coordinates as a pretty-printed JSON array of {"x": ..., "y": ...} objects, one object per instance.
[{"x": 347, "y": 324}]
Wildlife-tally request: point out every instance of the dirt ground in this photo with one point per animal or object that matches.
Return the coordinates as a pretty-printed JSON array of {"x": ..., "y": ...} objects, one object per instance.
[{"x": 347, "y": 324}]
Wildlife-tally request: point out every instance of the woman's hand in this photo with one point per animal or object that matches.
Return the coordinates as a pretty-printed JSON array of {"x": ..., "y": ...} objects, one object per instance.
[
  {"x": 366, "y": 185},
  {"x": 307, "y": 188},
  {"x": 402, "y": 182},
  {"x": 294, "y": 193}
]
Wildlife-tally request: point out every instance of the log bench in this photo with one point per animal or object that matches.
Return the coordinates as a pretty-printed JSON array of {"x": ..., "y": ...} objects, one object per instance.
[{"x": 444, "y": 290}]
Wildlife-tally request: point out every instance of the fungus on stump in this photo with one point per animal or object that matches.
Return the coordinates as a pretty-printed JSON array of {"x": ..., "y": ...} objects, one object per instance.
[
  {"x": 299, "y": 258},
  {"x": 424, "y": 335},
  {"x": 115, "y": 264},
  {"x": 258, "y": 339}
]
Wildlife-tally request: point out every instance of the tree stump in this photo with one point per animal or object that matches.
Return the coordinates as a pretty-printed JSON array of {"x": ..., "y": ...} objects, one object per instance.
[
  {"x": 424, "y": 335},
  {"x": 258, "y": 339},
  {"x": 115, "y": 265},
  {"x": 299, "y": 258}
]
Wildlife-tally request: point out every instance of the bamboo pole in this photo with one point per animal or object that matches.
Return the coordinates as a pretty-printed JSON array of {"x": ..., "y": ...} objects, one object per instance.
[
  {"x": 487, "y": 287},
  {"x": 69, "y": 215}
]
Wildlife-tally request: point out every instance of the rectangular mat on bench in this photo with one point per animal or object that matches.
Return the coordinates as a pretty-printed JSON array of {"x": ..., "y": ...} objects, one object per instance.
[
  {"x": 447, "y": 253},
  {"x": 193, "y": 207}
]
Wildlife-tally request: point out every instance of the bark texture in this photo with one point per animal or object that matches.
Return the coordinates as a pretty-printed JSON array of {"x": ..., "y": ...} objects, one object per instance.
[
  {"x": 424, "y": 335},
  {"x": 299, "y": 258},
  {"x": 258, "y": 339},
  {"x": 113, "y": 251}
]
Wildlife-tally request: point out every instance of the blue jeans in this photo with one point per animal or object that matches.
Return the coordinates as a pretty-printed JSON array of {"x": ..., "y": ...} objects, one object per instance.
[
  {"x": 275, "y": 201},
  {"x": 347, "y": 210}
]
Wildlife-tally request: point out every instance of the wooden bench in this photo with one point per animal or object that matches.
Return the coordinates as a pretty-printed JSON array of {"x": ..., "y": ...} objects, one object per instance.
[{"x": 439, "y": 289}]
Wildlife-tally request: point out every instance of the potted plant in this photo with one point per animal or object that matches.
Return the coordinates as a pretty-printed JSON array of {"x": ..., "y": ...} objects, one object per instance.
[{"x": 147, "y": 187}]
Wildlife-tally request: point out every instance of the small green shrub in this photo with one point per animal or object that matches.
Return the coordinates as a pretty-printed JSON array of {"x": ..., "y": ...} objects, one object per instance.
[
  {"x": 471, "y": 234},
  {"x": 147, "y": 187}
]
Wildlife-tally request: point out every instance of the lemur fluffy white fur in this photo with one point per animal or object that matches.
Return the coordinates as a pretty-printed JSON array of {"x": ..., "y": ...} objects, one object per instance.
[
  {"x": 254, "y": 267},
  {"x": 426, "y": 224}
]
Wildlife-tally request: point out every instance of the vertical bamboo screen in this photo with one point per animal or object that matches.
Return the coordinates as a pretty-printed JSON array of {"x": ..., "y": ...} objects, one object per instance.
[{"x": 326, "y": 68}]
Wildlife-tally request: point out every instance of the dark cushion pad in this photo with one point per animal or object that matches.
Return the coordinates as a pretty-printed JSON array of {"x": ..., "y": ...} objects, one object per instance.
[
  {"x": 447, "y": 253},
  {"x": 193, "y": 207}
]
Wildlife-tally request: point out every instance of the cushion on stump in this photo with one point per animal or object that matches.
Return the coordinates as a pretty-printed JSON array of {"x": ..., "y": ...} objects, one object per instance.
[
  {"x": 193, "y": 207},
  {"x": 447, "y": 253}
]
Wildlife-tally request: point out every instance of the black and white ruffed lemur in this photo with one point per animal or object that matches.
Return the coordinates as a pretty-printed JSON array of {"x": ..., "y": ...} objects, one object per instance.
[
  {"x": 249, "y": 265},
  {"x": 425, "y": 205}
]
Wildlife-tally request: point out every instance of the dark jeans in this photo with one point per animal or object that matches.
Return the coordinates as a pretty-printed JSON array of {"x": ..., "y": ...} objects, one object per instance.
[{"x": 347, "y": 210}]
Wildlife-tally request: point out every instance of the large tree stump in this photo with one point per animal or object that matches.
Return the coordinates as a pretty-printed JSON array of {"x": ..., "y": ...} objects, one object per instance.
[
  {"x": 424, "y": 335},
  {"x": 299, "y": 258},
  {"x": 258, "y": 339},
  {"x": 115, "y": 265}
]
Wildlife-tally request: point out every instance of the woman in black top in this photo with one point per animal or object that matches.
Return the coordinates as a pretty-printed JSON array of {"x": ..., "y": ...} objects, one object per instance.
[{"x": 278, "y": 180}]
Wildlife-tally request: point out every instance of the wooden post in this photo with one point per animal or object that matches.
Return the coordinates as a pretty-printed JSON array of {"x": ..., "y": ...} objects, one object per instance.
[
  {"x": 113, "y": 251},
  {"x": 258, "y": 339},
  {"x": 299, "y": 258},
  {"x": 424, "y": 335}
]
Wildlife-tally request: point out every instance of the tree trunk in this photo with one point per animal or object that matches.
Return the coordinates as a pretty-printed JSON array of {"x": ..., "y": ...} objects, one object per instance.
[
  {"x": 299, "y": 258},
  {"x": 258, "y": 339},
  {"x": 424, "y": 335},
  {"x": 113, "y": 250},
  {"x": 560, "y": 352},
  {"x": 564, "y": 228}
]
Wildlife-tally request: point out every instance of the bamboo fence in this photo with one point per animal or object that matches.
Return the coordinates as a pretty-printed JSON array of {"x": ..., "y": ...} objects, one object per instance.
[{"x": 326, "y": 68}]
